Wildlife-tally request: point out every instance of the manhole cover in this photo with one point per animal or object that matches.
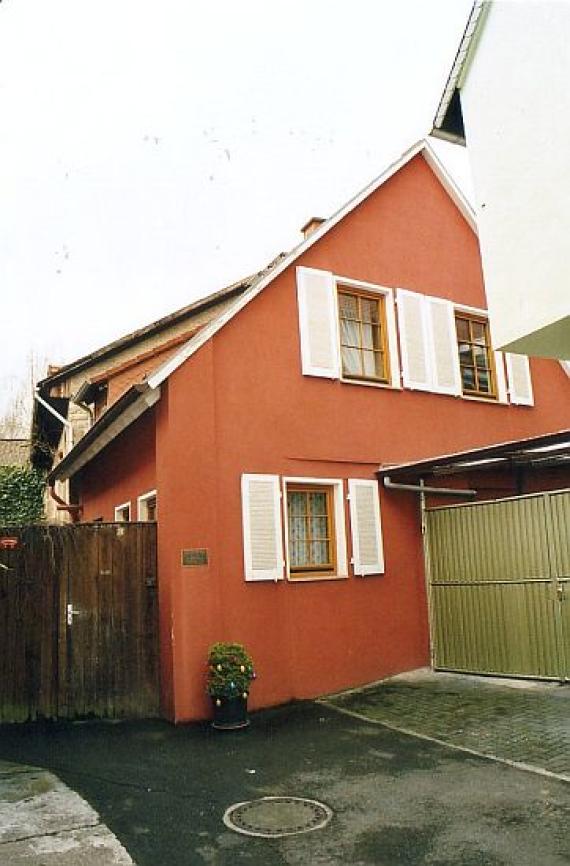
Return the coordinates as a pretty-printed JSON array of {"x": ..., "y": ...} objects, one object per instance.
[{"x": 277, "y": 816}]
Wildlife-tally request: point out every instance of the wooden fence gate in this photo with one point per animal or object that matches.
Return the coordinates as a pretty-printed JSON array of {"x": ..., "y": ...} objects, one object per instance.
[
  {"x": 499, "y": 586},
  {"x": 78, "y": 622}
]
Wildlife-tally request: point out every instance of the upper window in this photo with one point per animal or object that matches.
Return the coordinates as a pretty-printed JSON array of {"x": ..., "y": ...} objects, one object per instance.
[
  {"x": 311, "y": 533},
  {"x": 363, "y": 341},
  {"x": 475, "y": 356},
  {"x": 123, "y": 513},
  {"x": 147, "y": 506}
]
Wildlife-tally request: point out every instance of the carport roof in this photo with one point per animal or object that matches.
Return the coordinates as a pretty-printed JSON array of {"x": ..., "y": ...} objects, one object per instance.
[{"x": 552, "y": 449}]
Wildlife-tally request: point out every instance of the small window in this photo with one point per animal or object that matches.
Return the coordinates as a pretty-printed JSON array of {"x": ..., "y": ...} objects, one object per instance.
[
  {"x": 311, "y": 532},
  {"x": 363, "y": 344},
  {"x": 475, "y": 356},
  {"x": 123, "y": 513},
  {"x": 147, "y": 507},
  {"x": 100, "y": 403}
]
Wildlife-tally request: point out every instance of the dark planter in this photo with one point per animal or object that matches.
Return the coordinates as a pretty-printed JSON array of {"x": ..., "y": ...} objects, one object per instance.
[{"x": 231, "y": 714}]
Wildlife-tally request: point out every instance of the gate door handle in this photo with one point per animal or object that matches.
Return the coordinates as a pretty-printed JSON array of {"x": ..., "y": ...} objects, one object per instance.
[{"x": 71, "y": 612}]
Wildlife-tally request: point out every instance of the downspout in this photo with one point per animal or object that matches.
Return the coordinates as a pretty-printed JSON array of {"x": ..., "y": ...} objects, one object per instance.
[
  {"x": 422, "y": 489},
  {"x": 62, "y": 505}
]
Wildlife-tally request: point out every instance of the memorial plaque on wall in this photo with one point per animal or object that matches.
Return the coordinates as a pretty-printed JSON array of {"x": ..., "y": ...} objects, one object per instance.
[{"x": 195, "y": 556}]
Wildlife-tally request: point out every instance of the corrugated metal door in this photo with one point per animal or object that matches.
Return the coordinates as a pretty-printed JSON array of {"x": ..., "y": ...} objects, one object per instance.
[{"x": 499, "y": 586}]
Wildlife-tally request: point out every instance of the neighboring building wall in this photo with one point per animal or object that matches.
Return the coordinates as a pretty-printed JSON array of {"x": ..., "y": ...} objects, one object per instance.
[
  {"x": 241, "y": 405},
  {"x": 514, "y": 103}
]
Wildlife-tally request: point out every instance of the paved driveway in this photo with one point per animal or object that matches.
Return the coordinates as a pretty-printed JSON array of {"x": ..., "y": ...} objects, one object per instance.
[
  {"x": 525, "y": 722},
  {"x": 396, "y": 800}
]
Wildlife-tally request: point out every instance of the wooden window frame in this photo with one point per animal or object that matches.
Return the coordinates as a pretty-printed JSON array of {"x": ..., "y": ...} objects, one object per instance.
[
  {"x": 120, "y": 509},
  {"x": 352, "y": 290},
  {"x": 471, "y": 318},
  {"x": 141, "y": 502},
  {"x": 336, "y": 522}
]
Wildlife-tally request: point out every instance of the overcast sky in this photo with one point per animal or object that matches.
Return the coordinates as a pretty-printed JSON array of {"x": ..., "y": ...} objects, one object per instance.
[{"x": 152, "y": 152}]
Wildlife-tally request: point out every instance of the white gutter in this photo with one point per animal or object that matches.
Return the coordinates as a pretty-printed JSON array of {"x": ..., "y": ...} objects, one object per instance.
[
  {"x": 53, "y": 411},
  {"x": 421, "y": 488},
  {"x": 461, "y": 64}
]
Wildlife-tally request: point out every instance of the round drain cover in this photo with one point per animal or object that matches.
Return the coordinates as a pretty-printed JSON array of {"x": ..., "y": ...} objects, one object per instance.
[{"x": 277, "y": 816}]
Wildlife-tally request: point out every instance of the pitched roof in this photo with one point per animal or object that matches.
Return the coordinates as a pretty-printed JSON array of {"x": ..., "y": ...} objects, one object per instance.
[
  {"x": 15, "y": 452},
  {"x": 185, "y": 313},
  {"x": 421, "y": 148},
  {"x": 153, "y": 382}
]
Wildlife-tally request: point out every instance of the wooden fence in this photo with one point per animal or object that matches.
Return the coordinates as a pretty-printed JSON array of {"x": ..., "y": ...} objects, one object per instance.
[{"x": 78, "y": 621}]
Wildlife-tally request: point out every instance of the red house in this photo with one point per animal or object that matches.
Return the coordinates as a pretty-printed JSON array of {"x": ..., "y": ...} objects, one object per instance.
[{"x": 261, "y": 438}]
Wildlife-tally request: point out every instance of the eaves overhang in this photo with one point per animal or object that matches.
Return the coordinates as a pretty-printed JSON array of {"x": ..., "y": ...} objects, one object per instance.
[
  {"x": 448, "y": 123},
  {"x": 117, "y": 418},
  {"x": 551, "y": 450}
]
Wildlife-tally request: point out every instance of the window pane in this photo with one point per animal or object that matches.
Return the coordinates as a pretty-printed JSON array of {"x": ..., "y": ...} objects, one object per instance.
[
  {"x": 351, "y": 362},
  {"x": 468, "y": 378},
  {"x": 480, "y": 357},
  {"x": 484, "y": 381},
  {"x": 348, "y": 306},
  {"x": 479, "y": 335},
  {"x": 372, "y": 364},
  {"x": 318, "y": 503},
  {"x": 349, "y": 333},
  {"x": 462, "y": 327},
  {"x": 319, "y": 553},
  {"x": 369, "y": 309}
]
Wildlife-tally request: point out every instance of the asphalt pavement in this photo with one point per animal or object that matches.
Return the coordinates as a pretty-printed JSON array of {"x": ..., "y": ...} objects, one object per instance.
[{"x": 396, "y": 800}]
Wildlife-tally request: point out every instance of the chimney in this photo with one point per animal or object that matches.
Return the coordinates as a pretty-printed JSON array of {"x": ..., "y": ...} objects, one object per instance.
[{"x": 311, "y": 226}]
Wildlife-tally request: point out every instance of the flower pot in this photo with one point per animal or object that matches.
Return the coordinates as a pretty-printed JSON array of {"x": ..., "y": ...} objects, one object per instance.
[{"x": 231, "y": 714}]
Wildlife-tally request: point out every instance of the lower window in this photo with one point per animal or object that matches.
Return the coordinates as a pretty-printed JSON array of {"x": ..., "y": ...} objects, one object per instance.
[{"x": 310, "y": 526}]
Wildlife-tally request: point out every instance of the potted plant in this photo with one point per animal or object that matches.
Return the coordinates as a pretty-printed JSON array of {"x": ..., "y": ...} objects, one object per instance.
[{"x": 230, "y": 672}]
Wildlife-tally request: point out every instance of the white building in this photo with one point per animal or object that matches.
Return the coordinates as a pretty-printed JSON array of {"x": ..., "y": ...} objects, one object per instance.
[{"x": 508, "y": 98}]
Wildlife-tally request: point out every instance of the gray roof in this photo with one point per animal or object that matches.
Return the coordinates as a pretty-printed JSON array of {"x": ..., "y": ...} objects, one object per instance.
[{"x": 15, "y": 452}]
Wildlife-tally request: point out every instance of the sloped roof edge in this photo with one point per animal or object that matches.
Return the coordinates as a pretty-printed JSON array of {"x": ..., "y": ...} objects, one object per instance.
[
  {"x": 105, "y": 431},
  {"x": 147, "y": 330},
  {"x": 498, "y": 449},
  {"x": 420, "y": 147}
]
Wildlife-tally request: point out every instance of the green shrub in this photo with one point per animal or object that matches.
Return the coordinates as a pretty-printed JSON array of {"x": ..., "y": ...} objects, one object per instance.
[
  {"x": 21, "y": 495},
  {"x": 230, "y": 671}
]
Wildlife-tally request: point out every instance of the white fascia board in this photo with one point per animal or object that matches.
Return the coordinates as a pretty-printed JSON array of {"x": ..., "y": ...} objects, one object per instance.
[
  {"x": 134, "y": 411},
  {"x": 212, "y": 328},
  {"x": 450, "y": 187}
]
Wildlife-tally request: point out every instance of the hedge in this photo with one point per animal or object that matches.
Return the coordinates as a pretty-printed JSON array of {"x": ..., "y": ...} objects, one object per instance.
[{"x": 21, "y": 495}]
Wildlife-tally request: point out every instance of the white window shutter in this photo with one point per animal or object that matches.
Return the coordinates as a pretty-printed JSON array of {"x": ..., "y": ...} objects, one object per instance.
[
  {"x": 500, "y": 375},
  {"x": 366, "y": 528},
  {"x": 412, "y": 323},
  {"x": 318, "y": 326},
  {"x": 444, "y": 355},
  {"x": 520, "y": 384},
  {"x": 392, "y": 337},
  {"x": 262, "y": 534}
]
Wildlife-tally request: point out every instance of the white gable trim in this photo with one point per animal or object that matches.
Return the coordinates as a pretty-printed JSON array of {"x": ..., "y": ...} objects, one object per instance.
[{"x": 421, "y": 147}]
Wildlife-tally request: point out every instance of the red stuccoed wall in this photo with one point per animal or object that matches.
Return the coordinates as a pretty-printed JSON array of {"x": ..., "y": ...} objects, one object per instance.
[
  {"x": 241, "y": 405},
  {"x": 124, "y": 470}
]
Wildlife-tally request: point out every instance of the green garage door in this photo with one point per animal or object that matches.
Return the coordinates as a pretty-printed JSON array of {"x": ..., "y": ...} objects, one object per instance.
[{"x": 499, "y": 586}]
